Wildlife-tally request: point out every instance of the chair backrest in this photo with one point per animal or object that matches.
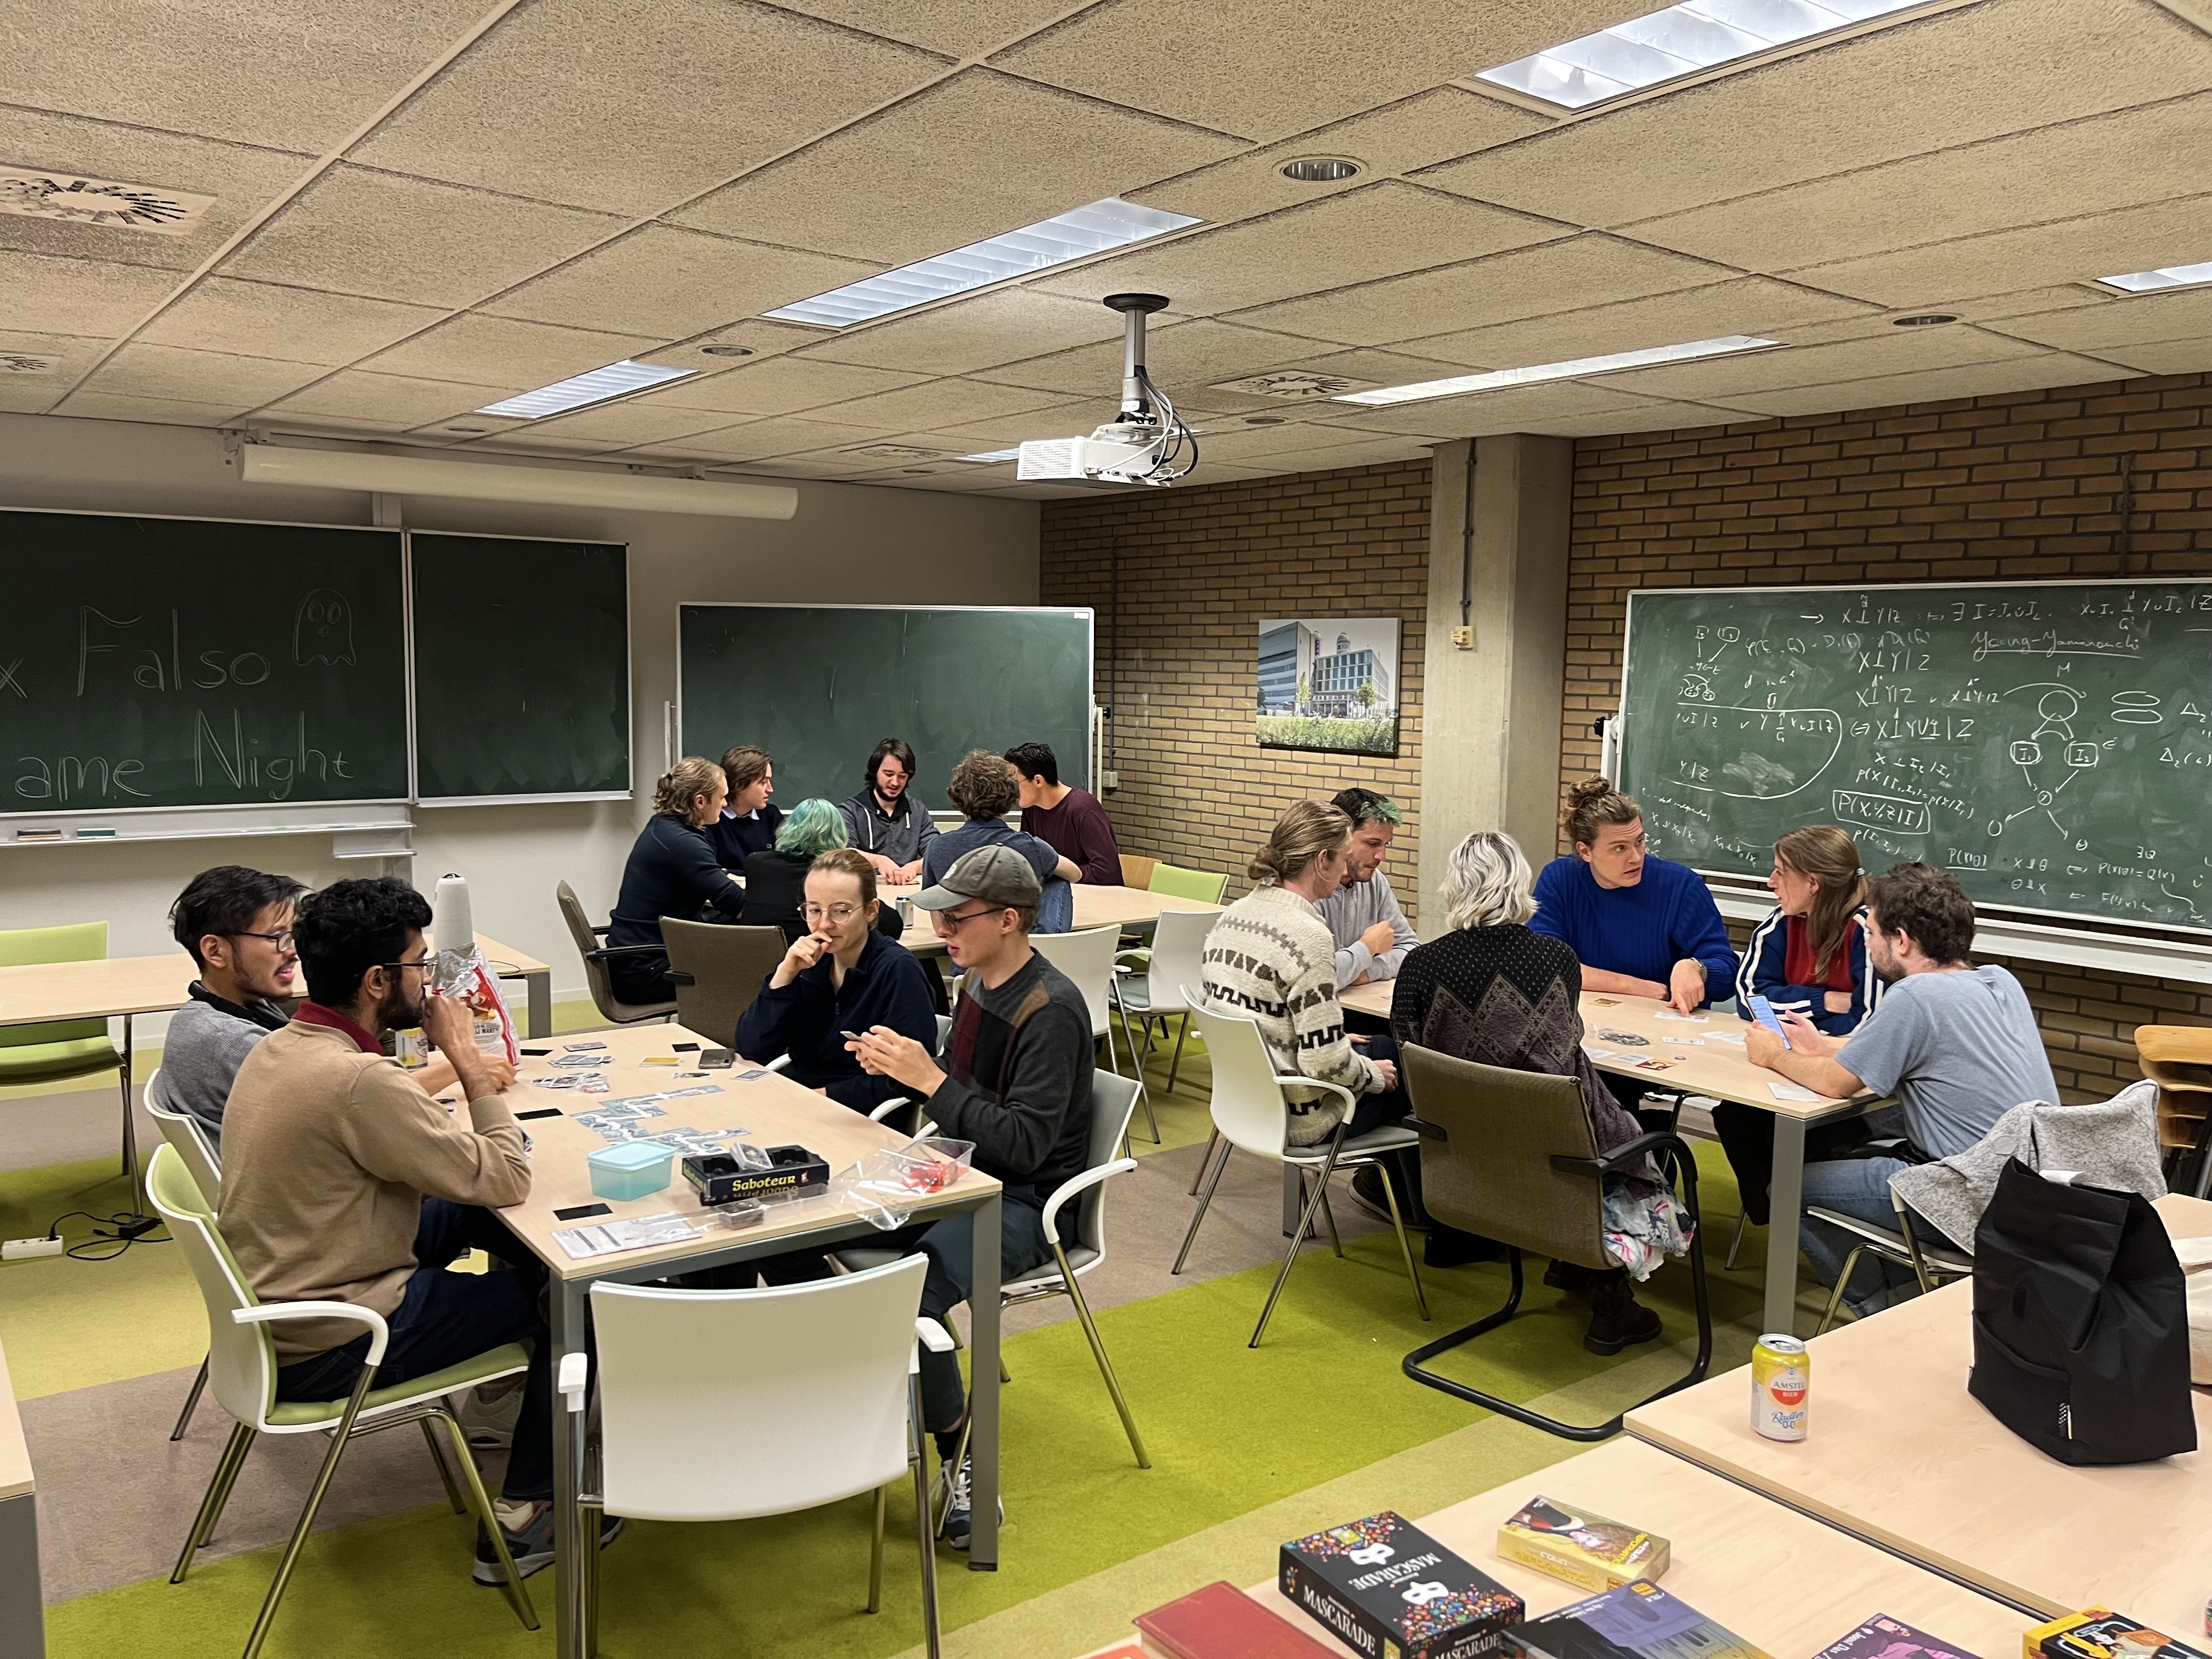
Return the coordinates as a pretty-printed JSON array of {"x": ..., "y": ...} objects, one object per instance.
[
  {"x": 1188, "y": 883},
  {"x": 1179, "y": 952},
  {"x": 1137, "y": 869},
  {"x": 595, "y": 969},
  {"x": 1247, "y": 1105},
  {"x": 188, "y": 1135},
  {"x": 724, "y": 1405},
  {"x": 23, "y": 947},
  {"x": 1492, "y": 1174},
  {"x": 1087, "y": 959},
  {"x": 726, "y": 965},
  {"x": 1112, "y": 1098},
  {"x": 241, "y": 1358}
]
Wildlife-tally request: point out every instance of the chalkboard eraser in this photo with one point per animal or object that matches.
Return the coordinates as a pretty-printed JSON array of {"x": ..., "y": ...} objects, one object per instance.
[
  {"x": 38, "y": 834},
  {"x": 96, "y": 835}
]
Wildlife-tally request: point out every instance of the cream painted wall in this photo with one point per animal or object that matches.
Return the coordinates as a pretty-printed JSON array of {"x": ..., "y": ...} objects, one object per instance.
[{"x": 848, "y": 544}]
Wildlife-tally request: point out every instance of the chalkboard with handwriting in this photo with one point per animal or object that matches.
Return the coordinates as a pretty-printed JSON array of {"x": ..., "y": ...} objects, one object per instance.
[
  {"x": 2049, "y": 742},
  {"x": 180, "y": 662}
]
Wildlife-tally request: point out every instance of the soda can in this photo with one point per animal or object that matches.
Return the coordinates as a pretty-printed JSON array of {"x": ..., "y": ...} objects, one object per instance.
[{"x": 1781, "y": 1387}]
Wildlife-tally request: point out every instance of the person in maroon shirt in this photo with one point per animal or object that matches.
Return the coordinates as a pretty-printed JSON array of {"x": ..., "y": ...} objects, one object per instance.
[{"x": 1067, "y": 819}]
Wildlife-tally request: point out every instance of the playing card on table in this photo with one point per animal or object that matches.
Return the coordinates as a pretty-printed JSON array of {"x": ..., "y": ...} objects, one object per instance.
[{"x": 583, "y": 1060}]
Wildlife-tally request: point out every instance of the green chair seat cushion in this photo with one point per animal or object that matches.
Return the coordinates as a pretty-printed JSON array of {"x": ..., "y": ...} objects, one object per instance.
[
  {"x": 1188, "y": 883},
  {"x": 493, "y": 1361},
  {"x": 43, "y": 1062}
]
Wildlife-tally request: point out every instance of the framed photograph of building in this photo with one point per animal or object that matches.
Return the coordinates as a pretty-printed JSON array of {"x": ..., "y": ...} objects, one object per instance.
[{"x": 1329, "y": 685}]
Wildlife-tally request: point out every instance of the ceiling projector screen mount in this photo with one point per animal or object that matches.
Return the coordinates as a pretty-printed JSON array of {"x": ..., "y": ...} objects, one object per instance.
[
  {"x": 548, "y": 486},
  {"x": 1147, "y": 443}
]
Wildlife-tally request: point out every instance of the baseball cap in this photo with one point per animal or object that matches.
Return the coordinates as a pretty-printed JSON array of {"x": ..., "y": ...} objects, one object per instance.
[{"x": 997, "y": 875}]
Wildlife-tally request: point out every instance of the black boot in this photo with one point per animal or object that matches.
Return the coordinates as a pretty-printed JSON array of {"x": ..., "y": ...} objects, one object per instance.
[
  {"x": 1448, "y": 1247},
  {"x": 1617, "y": 1319}
]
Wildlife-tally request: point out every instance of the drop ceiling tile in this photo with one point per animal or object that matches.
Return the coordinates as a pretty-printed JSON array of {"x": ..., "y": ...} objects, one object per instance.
[
  {"x": 140, "y": 370},
  {"x": 976, "y": 155},
  {"x": 1001, "y": 327},
  {"x": 2078, "y": 250},
  {"x": 633, "y": 106},
  {"x": 958, "y": 29},
  {"x": 51, "y": 359},
  {"x": 389, "y": 400},
  {"x": 300, "y": 76},
  {"x": 948, "y": 402},
  {"x": 1388, "y": 228},
  {"x": 223, "y": 314},
  {"x": 2140, "y": 318},
  {"x": 780, "y": 386},
  {"x": 1430, "y": 127},
  {"x": 632, "y": 421},
  {"x": 1375, "y": 367},
  {"x": 780, "y": 436},
  {"x": 762, "y": 338},
  {"x": 163, "y": 411},
  {"x": 2122, "y": 160},
  {"x": 77, "y": 296},
  {"x": 1564, "y": 275},
  {"x": 1904, "y": 90},
  {"x": 1266, "y": 69},
  {"x": 21, "y": 394},
  {"x": 2164, "y": 356},
  {"x": 1061, "y": 419},
  {"x": 1752, "y": 305},
  {"x": 1975, "y": 381},
  {"x": 479, "y": 351},
  {"x": 1893, "y": 351},
  {"x": 354, "y": 231},
  {"x": 1183, "y": 354},
  {"x": 669, "y": 283},
  {"x": 2027, "y": 301},
  {"x": 1513, "y": 409},
  {"x": 1656, "y": 415}
]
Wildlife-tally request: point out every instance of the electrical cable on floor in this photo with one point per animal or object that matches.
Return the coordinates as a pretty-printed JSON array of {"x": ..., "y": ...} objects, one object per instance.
[{"x": 122, "y": 1238}]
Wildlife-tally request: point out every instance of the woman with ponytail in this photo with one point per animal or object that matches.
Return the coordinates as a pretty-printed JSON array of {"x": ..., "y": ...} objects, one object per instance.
[{"x": 672, "y": 872}]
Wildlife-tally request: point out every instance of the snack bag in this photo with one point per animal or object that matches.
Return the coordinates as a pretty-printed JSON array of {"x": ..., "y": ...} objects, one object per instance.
[{"x": 463, "y": 973}]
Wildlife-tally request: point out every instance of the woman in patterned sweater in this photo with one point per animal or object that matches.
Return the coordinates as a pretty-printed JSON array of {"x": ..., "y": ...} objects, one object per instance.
[{"x": 1493, "y": 992}]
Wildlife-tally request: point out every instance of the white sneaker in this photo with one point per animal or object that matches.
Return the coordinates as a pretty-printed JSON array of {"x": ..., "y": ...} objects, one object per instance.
[{"x": 487, "y": 1412}]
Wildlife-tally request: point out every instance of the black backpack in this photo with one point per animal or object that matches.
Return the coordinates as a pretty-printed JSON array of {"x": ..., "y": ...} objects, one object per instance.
[{"x": 2080, "y": 1323}]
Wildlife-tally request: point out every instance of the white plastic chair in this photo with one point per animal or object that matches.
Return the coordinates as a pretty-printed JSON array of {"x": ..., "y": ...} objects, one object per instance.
[
  {"x": 242, "y": 1367},
  {"x": 1250, "y": 1113},
  {"x": 189, "y": 1136},
  {"x": 728, "y": 1405},
  {"x": 1176, "y": 958},
  {"x": 1087, "y": 959}
]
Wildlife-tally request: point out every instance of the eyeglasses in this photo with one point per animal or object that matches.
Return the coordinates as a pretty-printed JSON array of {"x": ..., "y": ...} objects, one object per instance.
[
  {"x": 426, "y": 963},
  {"x": 281, "y": 940},
  {"x": 947, "y": 922},
  {"x": 832, "y": 913}
]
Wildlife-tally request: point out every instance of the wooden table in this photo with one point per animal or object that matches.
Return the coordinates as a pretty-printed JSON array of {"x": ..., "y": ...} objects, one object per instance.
[
  {"x": 777, "y": 1112},
  {"x": 1095, "y": 907},
  {"x": 1900, "y": 1454},
  {"x": 1782, "y": 1581},
  {"x": 22, "y": 1609},
  {"x": 1699, "y": 1064}
]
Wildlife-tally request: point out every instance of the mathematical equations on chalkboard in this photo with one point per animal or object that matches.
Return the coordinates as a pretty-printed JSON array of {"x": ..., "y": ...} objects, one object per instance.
[{"x": 2049, "y": 743}]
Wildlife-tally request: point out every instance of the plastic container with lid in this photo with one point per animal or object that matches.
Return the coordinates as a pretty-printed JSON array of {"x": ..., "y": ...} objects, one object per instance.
[{"x": 631, "y": 1169}]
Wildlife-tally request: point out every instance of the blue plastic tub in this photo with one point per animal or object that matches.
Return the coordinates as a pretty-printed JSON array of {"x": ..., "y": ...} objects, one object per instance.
[{"x": 631, "y": 1169}]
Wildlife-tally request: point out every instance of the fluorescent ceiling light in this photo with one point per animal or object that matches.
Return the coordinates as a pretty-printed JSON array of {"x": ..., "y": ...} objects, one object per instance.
[
  {"x": 1076, "y": 234},
  {"x": 1663, "y": 45},
  {"x": 1572, "y": 369},
  {"x": 596, "y": 387},
  {"x": 991, "y": 456},
  {"x": 2149, "y": 282}
]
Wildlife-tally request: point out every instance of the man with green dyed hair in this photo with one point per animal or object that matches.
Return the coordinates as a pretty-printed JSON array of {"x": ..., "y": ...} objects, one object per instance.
[{"x": 1371, "y": 932}]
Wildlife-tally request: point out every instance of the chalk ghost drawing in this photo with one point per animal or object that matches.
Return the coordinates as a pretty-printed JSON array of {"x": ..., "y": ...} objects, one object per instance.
[{"x": 322, "y": 630}]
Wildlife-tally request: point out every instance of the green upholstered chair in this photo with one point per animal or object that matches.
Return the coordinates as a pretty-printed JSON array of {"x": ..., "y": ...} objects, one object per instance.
[
  {"x": 60, "y": 1048},
  {"x": 1203, "y": 885}
]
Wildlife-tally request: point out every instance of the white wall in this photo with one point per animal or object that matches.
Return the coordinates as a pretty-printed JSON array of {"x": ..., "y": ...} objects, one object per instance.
[{"x": 848, "y": 544}]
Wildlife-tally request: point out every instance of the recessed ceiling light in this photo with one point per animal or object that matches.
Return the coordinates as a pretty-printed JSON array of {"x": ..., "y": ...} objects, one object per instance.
[
  {"x": 1663, "y": 45},
  {"x": 1263, "y": 420},
  {"x": 595, "y": 387},
  {"x": 1924, "y": 319},
  {"x": 726, "y": 351},
  {"x": 2149, "y": 282},
  {"x": 1321, "y": 169},
  {"x": 993, "y": 457},
  {"x": 1076, "y": 234},
  {"x": 1573, "y": 369}
]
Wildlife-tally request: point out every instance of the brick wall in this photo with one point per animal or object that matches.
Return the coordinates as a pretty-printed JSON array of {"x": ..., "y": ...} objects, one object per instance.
[
  {"x": 1197, "y": 571},
  {"x": 2009, "y": 488}
]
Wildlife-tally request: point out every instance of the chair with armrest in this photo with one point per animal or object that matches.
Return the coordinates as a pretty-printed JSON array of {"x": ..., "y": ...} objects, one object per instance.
[
  {"x": 242, "y": 1370},
  {"x": 718, "y": 971},
  {"x": 596, "y": 955},
  {"x": 188, "y": 1136},
  {"x": 1933, "y": 1261},
  {"x": 822, "y": 1376},
  {"x": 56, "y": 1050},
  {"x": 1510, "y": 1155},
  {"x": 1251, "y": 1115}
]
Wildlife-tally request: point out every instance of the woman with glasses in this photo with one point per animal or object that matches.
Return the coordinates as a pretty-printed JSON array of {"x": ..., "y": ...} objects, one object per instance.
[
  {"x": 844, "y": 973},
  {"x": 775, "y": 879}
]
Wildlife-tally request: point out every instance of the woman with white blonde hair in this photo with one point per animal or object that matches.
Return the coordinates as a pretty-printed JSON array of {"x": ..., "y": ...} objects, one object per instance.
[{"x": 1493, "y": 990}]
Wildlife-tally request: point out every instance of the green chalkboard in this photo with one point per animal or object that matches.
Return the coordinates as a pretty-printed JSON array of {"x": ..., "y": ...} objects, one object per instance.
[
  {"x": 2050, "y": 742},
  {"x": 816, "y": 686},
  {"x": 521, "y": 669},
  {"x": 181, "y": 662}
]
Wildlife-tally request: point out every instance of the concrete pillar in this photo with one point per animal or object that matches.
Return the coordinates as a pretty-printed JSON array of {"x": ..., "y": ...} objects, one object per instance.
[{"x": 1491, "y": 710}]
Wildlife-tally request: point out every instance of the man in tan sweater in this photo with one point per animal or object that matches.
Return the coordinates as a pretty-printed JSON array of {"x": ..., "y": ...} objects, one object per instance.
[{"x": 344, "y": 1181}]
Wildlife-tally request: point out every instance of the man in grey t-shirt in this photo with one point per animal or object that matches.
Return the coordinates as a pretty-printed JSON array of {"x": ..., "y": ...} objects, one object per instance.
[{"x": 1955, "y": 1043}]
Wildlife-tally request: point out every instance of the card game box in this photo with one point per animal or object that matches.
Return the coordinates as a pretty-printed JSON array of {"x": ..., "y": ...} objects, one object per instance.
[
  {"x": 1389, "y": 1591},
  {"x": 761, "y": 1172},
  {"x": 1884, "y": 1638},
  {"x": 1580, "y": 1547},
  {"x": 1638, "y": 1621},
  {"x": 2100, "y": 1633}
]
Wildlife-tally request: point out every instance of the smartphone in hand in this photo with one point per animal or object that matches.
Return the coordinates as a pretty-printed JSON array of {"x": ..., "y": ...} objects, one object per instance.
[{"x": 1762, "y": 1011}]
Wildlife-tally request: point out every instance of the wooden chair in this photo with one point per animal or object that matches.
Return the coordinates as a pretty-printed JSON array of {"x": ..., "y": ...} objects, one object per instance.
[
  {"x": 718, "y": 971},
  {"x": 611, "y": 1007},
  {"x": 1510, "y": 1155},
  {"x": 2179, "y": 1059},
  {"x": 1137, "y": 869}
]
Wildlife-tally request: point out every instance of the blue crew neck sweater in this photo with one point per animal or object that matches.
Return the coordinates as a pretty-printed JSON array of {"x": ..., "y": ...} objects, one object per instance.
[{"x": 1642, "y": 931}]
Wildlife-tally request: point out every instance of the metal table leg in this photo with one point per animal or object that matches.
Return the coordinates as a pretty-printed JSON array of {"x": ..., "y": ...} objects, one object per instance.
[
  {"x": 983, "y": 1390},
  {"x": 568, "y": 1322},
  {"x": 131, "y": 1128},
  {"x": 1785, "y": 1207},
  {"x": 540, "y": 1022}
]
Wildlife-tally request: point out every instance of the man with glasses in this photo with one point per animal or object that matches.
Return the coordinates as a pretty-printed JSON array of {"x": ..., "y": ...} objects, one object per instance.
[
  {"x": 841, "y": 974},
  {"x": 342, "y": 1181},
  {"x": 237, "y": 923}
]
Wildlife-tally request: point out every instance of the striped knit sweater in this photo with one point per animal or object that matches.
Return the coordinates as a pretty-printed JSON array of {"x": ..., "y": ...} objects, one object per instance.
[{"x": 1271, "y": 959}]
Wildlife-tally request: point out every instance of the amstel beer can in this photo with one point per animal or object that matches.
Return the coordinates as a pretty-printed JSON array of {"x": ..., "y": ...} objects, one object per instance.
[{"x": 1781, "y": 1387}]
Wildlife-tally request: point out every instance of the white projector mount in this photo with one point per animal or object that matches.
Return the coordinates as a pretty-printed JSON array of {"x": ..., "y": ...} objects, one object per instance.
[{"x": 1147, "y": 443}]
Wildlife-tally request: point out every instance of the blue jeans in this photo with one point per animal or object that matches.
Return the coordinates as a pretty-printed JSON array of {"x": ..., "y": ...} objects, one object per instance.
[
  {"x": 1858, "y": 1187},
  {"x": 949, "y": 1245},
  {"x": 444, "y": 1318}
]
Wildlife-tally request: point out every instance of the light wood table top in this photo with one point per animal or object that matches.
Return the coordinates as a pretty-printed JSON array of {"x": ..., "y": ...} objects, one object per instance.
[
  {"x": 113, "y": 986},
  {"x": 777, "y": 1111},
  {"x": 15, "y": 1456},
  {"x": 1900, "y": 1453},
  {"x": 1782, "y": 1581},
  {"x": 1095, "y": 907}
]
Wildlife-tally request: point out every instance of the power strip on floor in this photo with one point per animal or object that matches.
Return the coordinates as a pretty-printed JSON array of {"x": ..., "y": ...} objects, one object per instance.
[{"x": 22, "y": 1249}]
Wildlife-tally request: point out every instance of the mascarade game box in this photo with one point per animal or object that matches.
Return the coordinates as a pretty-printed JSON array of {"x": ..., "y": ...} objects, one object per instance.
[{"x": 1390, "y": 1591}]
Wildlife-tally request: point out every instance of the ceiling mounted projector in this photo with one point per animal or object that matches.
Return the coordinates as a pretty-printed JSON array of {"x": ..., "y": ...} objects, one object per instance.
[{"x": 1147, "y": 443}]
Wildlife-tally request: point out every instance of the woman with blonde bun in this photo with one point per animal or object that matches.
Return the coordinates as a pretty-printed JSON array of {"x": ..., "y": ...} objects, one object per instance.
[{"x": 672, "y": 872}]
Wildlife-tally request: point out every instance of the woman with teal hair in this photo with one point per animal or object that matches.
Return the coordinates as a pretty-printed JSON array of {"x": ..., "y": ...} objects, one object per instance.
[{"x": 775, "y": 878}]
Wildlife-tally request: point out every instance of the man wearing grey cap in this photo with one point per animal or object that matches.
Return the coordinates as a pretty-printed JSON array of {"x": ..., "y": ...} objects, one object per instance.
[{"x": 1015, "y": 1079}]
